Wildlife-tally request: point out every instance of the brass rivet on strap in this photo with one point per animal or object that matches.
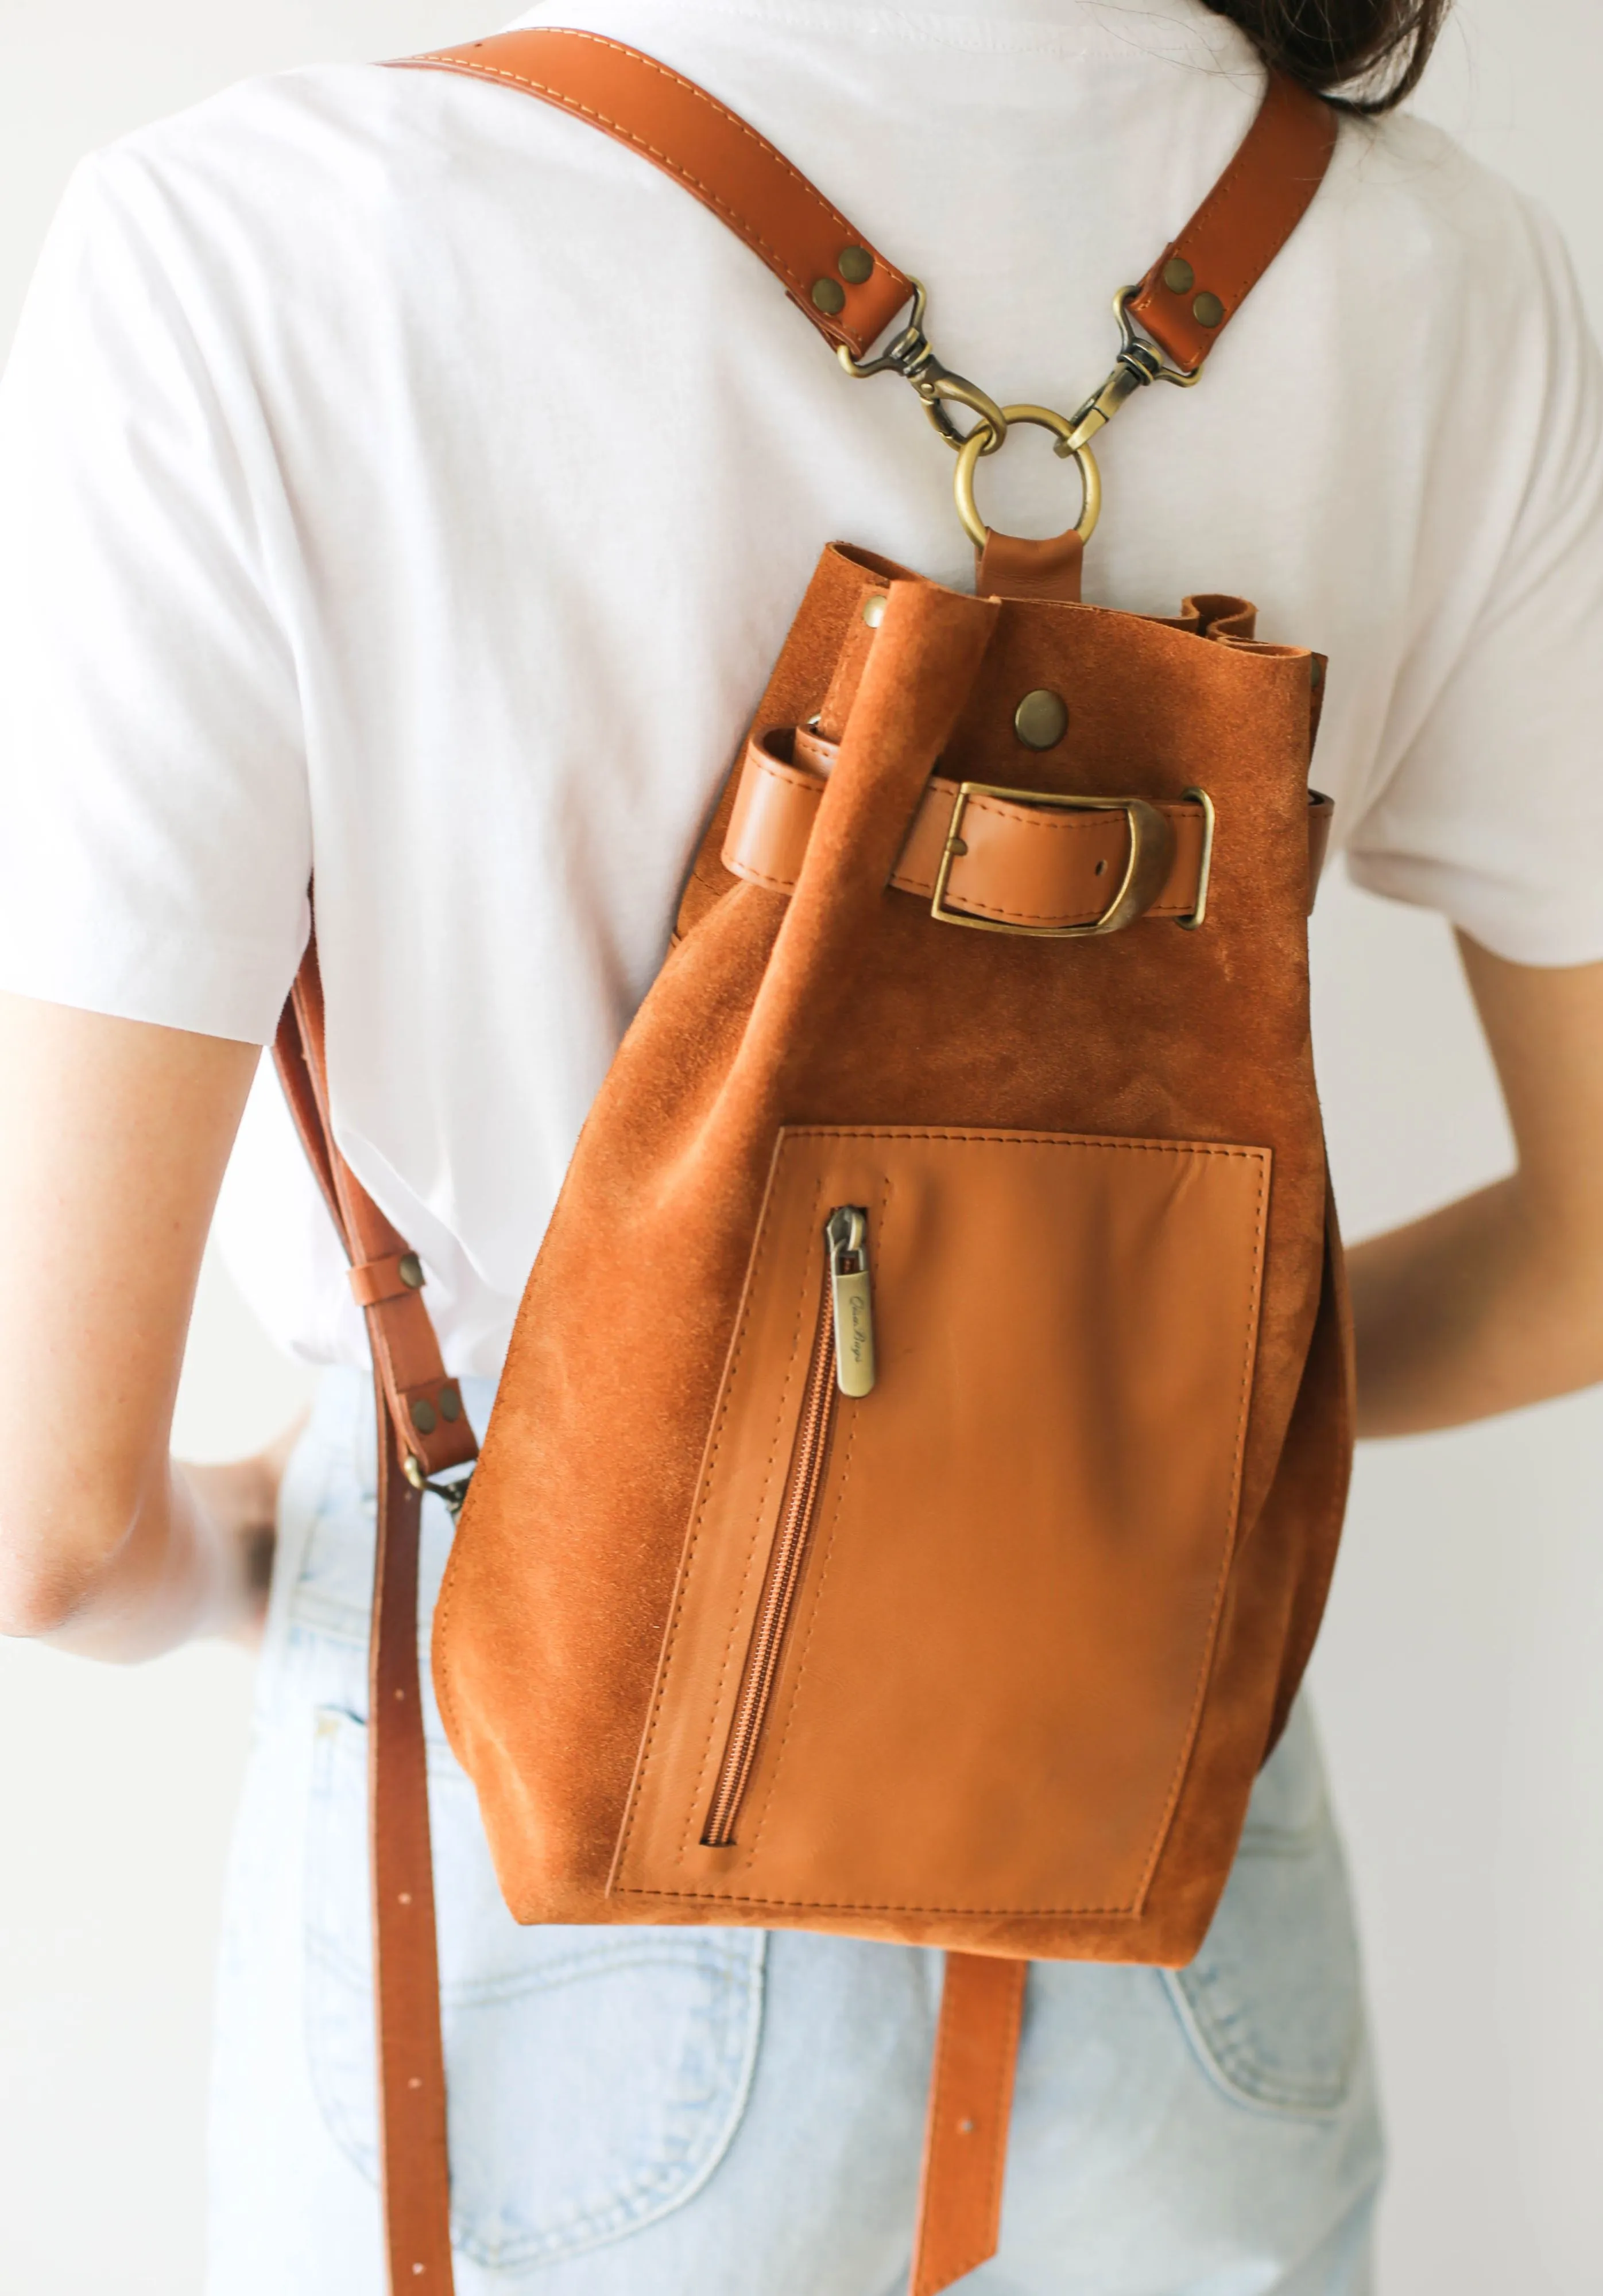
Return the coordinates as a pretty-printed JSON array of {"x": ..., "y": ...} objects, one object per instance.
[
  {"x": 874, "y": 609},
  {"x": 1179, "y": 276},
  {"x": 829, "y": 296},
  {"x": 409, "y": 1268},
  {"x": 1041, "y": 719},
  {"x": 856, "y": 264},
  {"x": 450, "y": 1401},
  {"x": 1207, "y": 311},
  {"x": 425, "y": 1417}
]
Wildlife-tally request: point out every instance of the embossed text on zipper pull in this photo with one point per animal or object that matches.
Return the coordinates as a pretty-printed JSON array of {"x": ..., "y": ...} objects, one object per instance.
[{"x": 847, "y": 1236}]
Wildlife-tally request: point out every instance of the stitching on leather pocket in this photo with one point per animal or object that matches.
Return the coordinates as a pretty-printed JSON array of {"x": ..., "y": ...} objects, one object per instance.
[{"x": 958, "y": 1737}]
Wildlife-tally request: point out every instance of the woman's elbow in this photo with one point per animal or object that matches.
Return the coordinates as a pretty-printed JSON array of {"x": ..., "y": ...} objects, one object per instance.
[{"x": 51, "y": 1577}]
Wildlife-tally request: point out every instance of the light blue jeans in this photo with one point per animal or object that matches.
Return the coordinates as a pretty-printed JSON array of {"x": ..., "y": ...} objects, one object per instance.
[{"x": 710, "y": 2113}]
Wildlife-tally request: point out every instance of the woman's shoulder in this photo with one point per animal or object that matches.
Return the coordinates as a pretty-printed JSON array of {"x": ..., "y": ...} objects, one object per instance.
[
  {"x": 289, "y": 171},
  {"x": 1418, "y": 214}
]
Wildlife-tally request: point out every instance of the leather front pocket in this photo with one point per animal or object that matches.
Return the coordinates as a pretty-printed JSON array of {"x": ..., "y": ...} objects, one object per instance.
[{"x": 942, "y": 1647}]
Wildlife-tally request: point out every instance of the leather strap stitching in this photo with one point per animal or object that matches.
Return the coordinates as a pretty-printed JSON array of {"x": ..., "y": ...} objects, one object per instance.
[
  {"x": 1234, "y": 1533},
  {"x": 747, "y": 230}
]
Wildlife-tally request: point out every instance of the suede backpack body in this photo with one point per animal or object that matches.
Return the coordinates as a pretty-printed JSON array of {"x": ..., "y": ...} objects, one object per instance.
[{"x": 912, "y": 1492}]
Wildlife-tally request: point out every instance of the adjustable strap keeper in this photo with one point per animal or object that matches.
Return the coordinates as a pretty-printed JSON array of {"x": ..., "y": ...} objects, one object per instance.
[{"x": 393, "y": 1277}]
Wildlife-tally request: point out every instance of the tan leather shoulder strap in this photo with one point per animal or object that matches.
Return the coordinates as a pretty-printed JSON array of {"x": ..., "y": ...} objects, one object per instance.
[
  {"x": 827, "y": 268},
  {"x": 1200, "y": 280},
  {"x": 421, "y": 1419},
  {"x": 831, "y": 271},
  {"x": 424, "y": 1405}
]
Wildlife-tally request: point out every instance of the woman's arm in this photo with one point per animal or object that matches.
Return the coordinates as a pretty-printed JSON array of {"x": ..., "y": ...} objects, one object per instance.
[
  {"x": 113, "y": 1137},
  {"x": 1496, "y": 1300}
]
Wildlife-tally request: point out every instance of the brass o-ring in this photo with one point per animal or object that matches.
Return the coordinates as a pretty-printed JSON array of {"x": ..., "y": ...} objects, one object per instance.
[{"x": 1045, "y": 418}]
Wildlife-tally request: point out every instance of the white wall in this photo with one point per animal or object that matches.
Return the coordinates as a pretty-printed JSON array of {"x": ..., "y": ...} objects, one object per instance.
[{"x": 1462, "y": 1705}]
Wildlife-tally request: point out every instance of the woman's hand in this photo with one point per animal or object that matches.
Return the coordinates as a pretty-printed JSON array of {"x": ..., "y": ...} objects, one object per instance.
[{"x": 1497, "y": 1300}]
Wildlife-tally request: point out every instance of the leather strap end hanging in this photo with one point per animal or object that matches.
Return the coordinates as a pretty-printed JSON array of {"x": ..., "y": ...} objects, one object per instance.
[
  {"x": 1198, "y": 284},
  {"x": 971, "y": 2106},
  {"x": 831, "y": 273},
  {"x": 414, "y": 2146}
]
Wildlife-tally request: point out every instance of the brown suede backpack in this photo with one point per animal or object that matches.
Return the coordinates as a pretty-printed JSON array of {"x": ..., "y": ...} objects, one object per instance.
[{"x": 911, "y": 1496}]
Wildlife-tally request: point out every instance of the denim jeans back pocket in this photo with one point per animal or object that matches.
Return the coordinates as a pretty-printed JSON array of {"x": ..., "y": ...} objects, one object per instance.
[
  {"x": 595, "y": 2075},
  {"x": 1273, "y": 2003}
]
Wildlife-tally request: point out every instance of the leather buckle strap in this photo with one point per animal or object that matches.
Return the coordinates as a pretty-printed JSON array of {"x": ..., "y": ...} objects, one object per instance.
[
  {"x": 1145, "y": 870},
  {"x": 1031, "y": 861}
]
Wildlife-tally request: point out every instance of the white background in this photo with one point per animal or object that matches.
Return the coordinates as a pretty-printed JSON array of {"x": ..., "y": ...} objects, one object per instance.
[{"x": 1458, "y": 1679}]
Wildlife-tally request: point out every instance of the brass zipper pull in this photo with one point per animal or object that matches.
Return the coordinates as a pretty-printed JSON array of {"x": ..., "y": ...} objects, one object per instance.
[{"x": 846, "y": 1235}]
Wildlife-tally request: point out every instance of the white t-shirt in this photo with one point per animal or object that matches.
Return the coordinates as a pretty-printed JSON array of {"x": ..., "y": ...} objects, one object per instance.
[{"x": 401, "y": 478}]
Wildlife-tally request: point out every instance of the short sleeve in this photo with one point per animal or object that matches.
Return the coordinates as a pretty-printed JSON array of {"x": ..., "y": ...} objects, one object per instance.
[
  {"x": 1494, "y": 813},
  {"x": 154, "y": 852}
]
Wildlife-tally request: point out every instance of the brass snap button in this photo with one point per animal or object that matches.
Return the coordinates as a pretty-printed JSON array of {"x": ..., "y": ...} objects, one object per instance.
[{"x": 1041, "y": 719}]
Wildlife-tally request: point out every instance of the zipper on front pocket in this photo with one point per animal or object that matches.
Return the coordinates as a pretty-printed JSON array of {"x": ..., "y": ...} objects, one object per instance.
[{"x": 842, "y": 1362}]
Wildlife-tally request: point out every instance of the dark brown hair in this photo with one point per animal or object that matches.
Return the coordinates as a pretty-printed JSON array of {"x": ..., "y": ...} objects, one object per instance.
[{"x": 1367, "y": 54}]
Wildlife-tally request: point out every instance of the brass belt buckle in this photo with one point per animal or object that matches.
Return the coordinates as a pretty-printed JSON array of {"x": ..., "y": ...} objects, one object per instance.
[{"x": 1151, "y": 854}]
